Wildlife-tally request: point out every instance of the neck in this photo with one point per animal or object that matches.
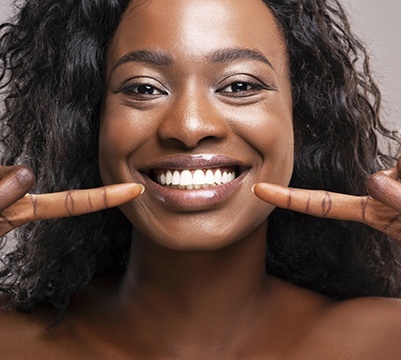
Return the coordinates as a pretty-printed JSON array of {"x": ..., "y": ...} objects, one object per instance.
[{"x": 196, "y": 294}]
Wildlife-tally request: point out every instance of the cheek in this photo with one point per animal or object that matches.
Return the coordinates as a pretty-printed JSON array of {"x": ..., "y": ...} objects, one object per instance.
[
  {"x": 277, "y": 139},
  {"x": 269, "y": 131},
  {"x": 119, "y": 136},
  {"x": 277, "y": 145}
]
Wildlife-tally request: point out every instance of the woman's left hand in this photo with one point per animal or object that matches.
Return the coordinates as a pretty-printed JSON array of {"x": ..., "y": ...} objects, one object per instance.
[{"x": 381, "y": 209}]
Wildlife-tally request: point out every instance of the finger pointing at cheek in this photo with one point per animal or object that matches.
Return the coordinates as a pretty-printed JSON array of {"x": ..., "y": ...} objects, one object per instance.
[
  {"x": 65, "y": 204},
  {"x": 313, "y": 202},
  {"x": 364, "y": 209}
]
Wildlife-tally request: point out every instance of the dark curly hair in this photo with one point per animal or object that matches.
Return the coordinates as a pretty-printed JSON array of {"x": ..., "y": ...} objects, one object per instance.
[
  {"x": 337, "y": 130},
  {"x": 51, "y": 72}
]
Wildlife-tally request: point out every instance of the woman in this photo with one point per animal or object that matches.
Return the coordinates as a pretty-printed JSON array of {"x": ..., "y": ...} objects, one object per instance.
[{"x": 197, "y": 101}]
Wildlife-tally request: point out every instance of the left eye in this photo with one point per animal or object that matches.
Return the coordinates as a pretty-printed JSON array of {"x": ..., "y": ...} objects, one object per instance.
[
  {"x": 238, "y": 87},
  {"x": 241, "y": 88}
]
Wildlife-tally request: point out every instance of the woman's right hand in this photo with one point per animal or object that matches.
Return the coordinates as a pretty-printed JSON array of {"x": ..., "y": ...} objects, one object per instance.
[{"x": 17, "y": 207}]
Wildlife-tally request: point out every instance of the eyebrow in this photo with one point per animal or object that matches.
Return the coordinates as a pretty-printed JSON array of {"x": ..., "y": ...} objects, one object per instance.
[
  {"x": 153, "y": 57},
  {"x": 232, "y": 54},
  {"x": 160, "y": 58}
]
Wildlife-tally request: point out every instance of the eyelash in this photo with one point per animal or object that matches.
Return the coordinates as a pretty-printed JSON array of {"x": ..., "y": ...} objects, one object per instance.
[
  {"x": 239, "y": 89},
  {"x": 251, "y": 88},
  {"x": 134, "y": 90}
]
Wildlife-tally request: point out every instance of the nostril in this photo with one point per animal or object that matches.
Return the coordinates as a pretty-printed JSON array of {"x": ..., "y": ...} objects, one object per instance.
[
  {"x": 207, "y": 138},
  {"x": 188, "y": 144}
]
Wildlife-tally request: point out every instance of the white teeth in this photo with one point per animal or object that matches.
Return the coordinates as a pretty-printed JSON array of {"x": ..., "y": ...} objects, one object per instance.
[
  {"x": 198, "y": 177},
  {"x": 163, "y": 179},
  {"x": 217, "y": 176},
  {"x": 176, "y": 178},
  {"x": 224, "y": 179},
  {"x": 169, "y": 178},
  {"x": 186, "y": 178},
  {"x": 195, "y": 180},
  {"x": 209, "y": 178}
]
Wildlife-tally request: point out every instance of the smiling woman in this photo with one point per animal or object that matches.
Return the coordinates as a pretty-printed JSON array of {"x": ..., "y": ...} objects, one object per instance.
[
  {"x": 205, "y": 106},
  {"x": 195, "y": 101}
]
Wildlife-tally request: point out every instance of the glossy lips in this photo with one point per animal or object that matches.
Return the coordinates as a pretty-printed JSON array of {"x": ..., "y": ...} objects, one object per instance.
[{"x": 194, "y": 182}]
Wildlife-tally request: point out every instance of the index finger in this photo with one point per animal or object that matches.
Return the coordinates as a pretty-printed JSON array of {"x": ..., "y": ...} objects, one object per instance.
[
  {"x": 314, "y": 202},
  {"x": 69, "y": 203}
]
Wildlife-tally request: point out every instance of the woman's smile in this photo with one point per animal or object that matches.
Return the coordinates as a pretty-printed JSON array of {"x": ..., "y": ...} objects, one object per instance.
[
  {"x": 198, "y": 124},
  {"x": 193, "y": 183}
]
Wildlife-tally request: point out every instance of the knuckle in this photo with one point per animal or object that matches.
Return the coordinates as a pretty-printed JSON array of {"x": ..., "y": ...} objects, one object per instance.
[
  {"x": 69, "y": 204},
  {"x": 105, "y": 198},
  {"x": 327, "y": 204},
  {"x": 376, "y": 182},
  {"x": 23, "y": 176}
]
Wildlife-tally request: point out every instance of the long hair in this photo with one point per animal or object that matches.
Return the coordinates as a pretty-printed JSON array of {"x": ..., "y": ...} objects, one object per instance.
[
  {"x": 337, "y": 130},
  {"x": 51, "y": 72}
]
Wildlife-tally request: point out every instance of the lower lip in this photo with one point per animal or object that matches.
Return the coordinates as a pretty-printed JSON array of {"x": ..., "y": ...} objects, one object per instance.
[{"x": 192, "y": 200}]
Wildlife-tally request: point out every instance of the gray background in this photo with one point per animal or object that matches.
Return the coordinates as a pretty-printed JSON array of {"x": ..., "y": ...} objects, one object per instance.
[{"x": 379, "y": 25}]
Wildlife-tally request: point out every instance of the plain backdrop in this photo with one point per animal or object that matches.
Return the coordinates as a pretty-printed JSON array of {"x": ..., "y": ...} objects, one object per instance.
[{"x": 378, "y": 24}]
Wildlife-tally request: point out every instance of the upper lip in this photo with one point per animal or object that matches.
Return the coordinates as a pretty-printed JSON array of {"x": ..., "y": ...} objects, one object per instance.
[{"x": 192, "y": 162}]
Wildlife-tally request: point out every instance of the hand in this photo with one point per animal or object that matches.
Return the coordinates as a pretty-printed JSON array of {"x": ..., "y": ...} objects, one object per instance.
[
  {"x": 18, "y": 208},
  {"x": 381, "y": 209}
]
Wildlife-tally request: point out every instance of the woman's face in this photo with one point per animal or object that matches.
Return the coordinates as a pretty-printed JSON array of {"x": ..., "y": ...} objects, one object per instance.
[{"x": 197, "y": 108}]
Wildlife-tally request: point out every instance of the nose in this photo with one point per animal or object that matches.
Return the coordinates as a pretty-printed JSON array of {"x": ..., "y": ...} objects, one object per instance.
[{"x": 192, "y": 120}]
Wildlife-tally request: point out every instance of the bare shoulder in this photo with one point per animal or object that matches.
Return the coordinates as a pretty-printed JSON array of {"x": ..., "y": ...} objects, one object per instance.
[
  {"x": 41, "y": 334},
  {"x": 38, "y": 335},
  {"x": 20, "y": 331},
  {"x": 361, "y": 328},
  {"x": 368, "y": 328}
]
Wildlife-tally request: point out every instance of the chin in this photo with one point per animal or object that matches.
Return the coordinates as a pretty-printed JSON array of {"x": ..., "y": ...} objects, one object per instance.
[{"x": 196, "y": 235}]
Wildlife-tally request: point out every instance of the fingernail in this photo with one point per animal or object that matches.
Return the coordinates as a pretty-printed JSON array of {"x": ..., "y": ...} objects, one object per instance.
[
  {"x": 253, "y": 188},
  {"x": 142, "y": 189}
]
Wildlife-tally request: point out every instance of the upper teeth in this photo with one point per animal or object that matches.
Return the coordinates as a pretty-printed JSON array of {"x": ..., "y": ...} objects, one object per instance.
[{"x": 194, "y": 179}]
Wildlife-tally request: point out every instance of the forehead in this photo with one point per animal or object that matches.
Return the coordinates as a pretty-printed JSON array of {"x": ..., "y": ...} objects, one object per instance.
[{"x": 197, "y": 27}]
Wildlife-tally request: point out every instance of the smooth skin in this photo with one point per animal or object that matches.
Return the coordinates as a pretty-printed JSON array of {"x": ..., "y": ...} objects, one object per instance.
[
  {"x": 17, "y": 207},
  {"x": 381, "y": 209},
  {"x": 195, "y": 286},
  {"x": 192, "y": 110}
]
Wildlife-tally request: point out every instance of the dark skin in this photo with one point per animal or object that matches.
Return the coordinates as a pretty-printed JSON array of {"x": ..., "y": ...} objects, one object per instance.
[
  {"x": 18, "y": 207},
  {"x": 196, "y": 288},
  {"x": 381, "y": 209}
]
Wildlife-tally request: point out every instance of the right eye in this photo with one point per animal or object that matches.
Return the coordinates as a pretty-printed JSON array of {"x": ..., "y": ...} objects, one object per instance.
[{"x": 143, "y": 90}]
